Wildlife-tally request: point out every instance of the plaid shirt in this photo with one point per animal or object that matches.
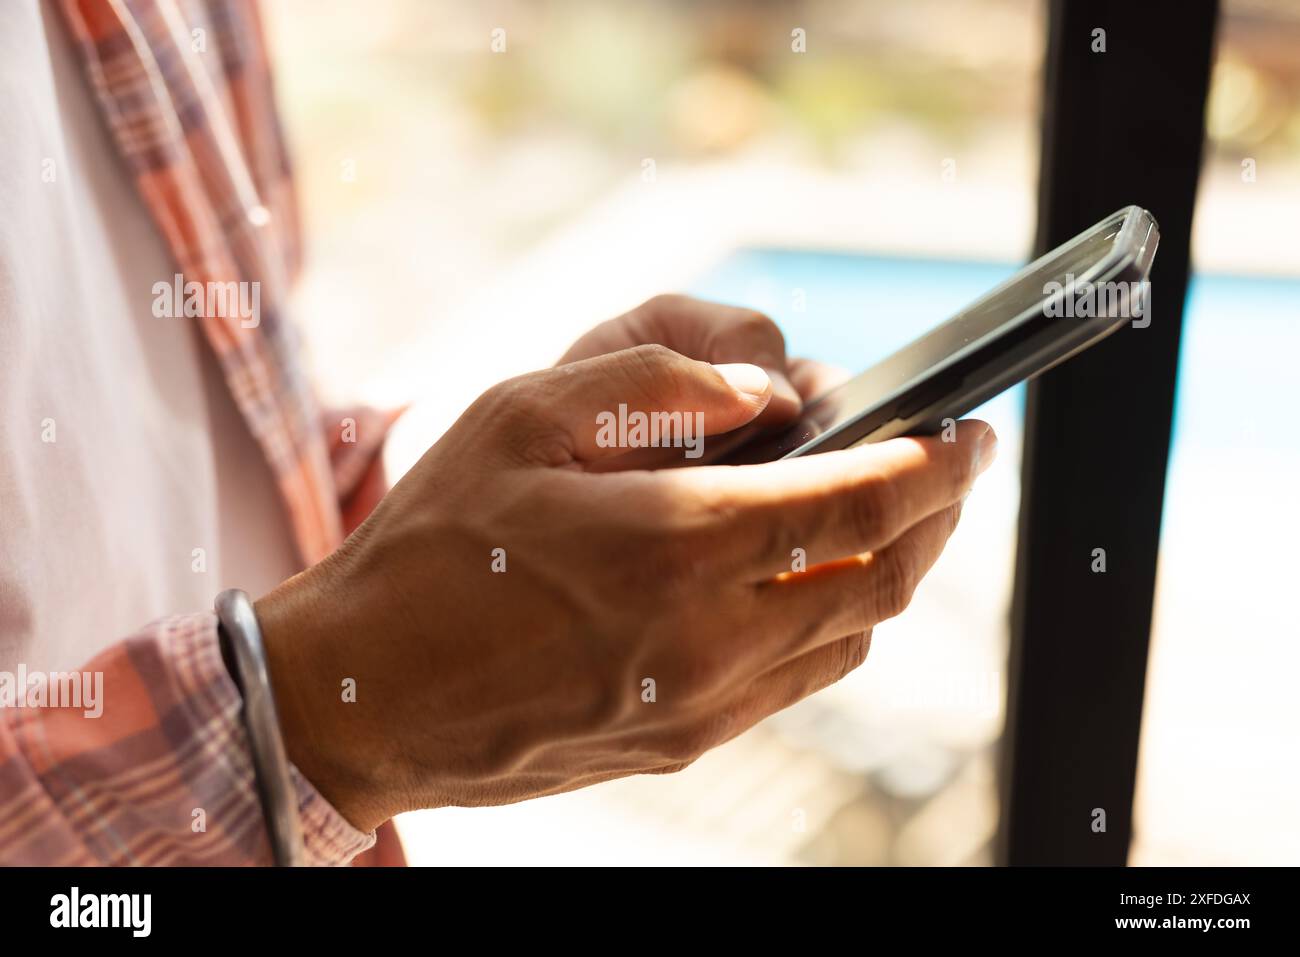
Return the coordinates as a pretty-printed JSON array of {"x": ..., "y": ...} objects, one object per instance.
[{"x": 200, "y": 136}]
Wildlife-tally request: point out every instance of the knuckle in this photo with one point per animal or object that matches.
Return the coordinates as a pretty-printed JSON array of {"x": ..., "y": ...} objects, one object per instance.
[
  {"x": 678, "y": 561},
  {"x": 952, "y": 515},
  {"x": 655, "y": 369},
  {"x": 755, "y": 322},
  {"x": 714, "y": 510},
  {"x": 662, "y": 303},
  {"x": 546, "y": 448},
  {"x": 495, "y": 399},
  {"x": 871, "y": 511},
  {"x": 855, "y": 649},
  {"x": 740, "y": 320},
  {"x": 835, "y": 662},
  {"x": 524, "y": 397},
  {"x": 748, "y": 331},
  {"x": 524, "y": 406},
  {"x": 895, "y": 582},
  {"x": 787, "y": 530},
  {"x": 653, "y": 355}
]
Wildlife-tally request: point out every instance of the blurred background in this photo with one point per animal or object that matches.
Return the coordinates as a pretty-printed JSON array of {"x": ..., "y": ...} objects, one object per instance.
[{"x": 481, "y": 183}]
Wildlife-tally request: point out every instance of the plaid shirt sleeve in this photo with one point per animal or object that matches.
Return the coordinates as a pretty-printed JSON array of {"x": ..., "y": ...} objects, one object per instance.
[{"x": 162, "y": 776}]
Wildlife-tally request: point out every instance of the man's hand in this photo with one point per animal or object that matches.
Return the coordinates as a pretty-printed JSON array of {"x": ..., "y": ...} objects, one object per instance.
[
  {"x": 703, "y": 330},
  {"x": 715, "y": 333},
  {"x": 519, "y": 623}
]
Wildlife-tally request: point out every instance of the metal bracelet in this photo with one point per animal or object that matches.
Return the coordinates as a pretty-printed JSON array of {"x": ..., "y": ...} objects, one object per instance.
[{"x": 242, "y": 638}]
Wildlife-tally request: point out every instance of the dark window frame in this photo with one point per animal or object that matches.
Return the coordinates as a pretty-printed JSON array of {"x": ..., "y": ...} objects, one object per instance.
[{"x": 1121, "y": 126}]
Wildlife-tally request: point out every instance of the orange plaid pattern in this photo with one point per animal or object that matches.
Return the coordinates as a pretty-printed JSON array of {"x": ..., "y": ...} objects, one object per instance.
[{"x": 199, "y": 133}]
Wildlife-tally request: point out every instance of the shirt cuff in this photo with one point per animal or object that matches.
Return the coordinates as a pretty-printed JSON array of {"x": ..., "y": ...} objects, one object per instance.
[{"x": 330, "y": 840}]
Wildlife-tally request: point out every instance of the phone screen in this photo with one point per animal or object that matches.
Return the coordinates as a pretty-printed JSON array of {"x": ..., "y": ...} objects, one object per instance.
[{"x": 999, "y": 313}]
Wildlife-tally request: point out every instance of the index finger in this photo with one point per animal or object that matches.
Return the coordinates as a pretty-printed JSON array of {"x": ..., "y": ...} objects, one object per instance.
[{"x": 836, "y": 504}]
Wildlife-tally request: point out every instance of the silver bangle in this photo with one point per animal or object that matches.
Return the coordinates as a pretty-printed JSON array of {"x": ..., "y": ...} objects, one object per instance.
[{"x": 241, "y": 639}]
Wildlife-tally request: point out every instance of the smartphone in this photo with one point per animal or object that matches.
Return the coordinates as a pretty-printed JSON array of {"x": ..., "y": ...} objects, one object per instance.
[{"x": 1052, "y": 309}]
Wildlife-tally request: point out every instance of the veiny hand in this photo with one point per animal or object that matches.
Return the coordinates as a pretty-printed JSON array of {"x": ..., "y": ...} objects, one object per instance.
[{"x": 477, "y": 687}]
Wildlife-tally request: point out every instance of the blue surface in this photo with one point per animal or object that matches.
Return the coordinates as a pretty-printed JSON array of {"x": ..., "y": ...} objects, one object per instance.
[{"x": 1237, "y": 378}]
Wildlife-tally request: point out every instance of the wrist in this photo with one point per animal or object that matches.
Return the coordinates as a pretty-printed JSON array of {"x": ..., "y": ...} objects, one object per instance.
[{"x": 328, "y": 749}]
